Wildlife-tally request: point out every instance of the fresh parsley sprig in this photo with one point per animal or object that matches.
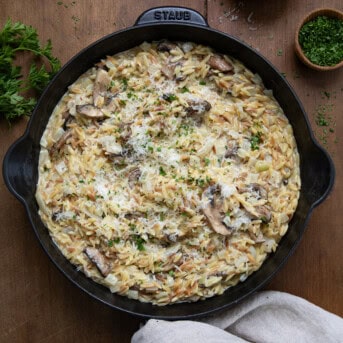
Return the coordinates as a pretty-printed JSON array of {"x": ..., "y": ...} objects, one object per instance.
[{"x": 15, "y": 38}]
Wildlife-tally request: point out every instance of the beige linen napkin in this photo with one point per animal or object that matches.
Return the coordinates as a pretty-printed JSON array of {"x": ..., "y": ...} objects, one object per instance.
[{"x": 265, "y": 317}]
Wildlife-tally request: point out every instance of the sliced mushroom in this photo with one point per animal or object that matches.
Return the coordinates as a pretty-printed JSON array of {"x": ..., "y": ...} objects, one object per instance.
[
  {"x": 173, "y": 237},
  {"x": 120, "y": 158},
  {"x": 265, "y": 213},
  {"x": 134, "y": 176},
  {"x": 197, "y": 108},
  {"x": 109, "y": 102},
  {"x": 219, "y": 63},
  {"x": 256, "y": 188},
  {"x": 231, "y": 151},
  {"x": 166, "y": 46},
  {"x": 125, "y": 131},
  {"x": 57, "y": 146},
  {"x": 168, "y": 71},
  {"x": 213, "y": 211},
  {"x": 133, "y": 215},
  {"x": 180, "y": 77},
  {"x": 67, "y": 117},
  {"x": 101, "y": 83},
  {"x": 65, "y": 114},
  {"x": 102, "y": 65},
  {"x": 99, "y": 260},
  {"x": 90, "y": 111}
]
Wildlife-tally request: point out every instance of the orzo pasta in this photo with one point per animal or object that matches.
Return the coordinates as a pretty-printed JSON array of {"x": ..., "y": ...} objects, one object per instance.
[{"x": 168, "y": 173}]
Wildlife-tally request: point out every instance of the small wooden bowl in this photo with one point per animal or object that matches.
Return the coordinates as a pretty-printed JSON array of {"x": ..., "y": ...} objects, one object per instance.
[{"x": 333, "y": 13}]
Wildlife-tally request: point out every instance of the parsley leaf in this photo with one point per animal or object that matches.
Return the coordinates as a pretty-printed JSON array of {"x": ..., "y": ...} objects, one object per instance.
[
  {"x": 169, "y": 97},
  {"x": 255, "y": 140},
  {"x": 184, "y": 90},
  {"x": 139, "y": 241},
  {"x": 15, "y": 38}
]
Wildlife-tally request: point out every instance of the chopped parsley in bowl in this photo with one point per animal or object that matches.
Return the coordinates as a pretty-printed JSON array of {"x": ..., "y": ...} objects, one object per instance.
[{"x": 319, "y": 39}]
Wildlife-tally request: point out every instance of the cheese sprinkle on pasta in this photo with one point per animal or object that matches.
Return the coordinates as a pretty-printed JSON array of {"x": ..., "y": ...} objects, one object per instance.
[{"x": 168, "y": 173}]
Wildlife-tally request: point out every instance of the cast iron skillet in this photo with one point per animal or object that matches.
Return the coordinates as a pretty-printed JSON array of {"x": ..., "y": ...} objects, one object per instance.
[{"x": 174, "y": 23}]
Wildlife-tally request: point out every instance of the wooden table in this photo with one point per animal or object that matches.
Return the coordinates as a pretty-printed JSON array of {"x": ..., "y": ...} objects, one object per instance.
[{"x": 37, "y": 303}]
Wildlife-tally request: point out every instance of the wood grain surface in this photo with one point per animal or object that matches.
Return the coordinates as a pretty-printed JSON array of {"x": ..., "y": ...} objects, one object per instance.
[{"x": 37, "y": 303}]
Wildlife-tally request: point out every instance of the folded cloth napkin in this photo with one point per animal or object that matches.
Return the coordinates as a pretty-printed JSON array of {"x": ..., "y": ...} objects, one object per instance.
[{"x": 267, "y": 316}]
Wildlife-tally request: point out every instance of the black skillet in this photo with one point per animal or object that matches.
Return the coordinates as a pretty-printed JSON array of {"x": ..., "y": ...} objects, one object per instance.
[{"x": 182, "y": 24}]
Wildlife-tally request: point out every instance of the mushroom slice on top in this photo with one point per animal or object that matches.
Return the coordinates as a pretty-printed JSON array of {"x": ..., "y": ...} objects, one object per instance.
[
  {"x": 166, "y": 46},
  {"x": 101, "y": 83},
  {"x": 90, "y": 111},
  {"x": 68, "y": 118},
  {"x": 213, "y": 211},
  {"x": 265, "y": 213},
  {"x": 57, "y": 146},
  {"x": 219, "y": 63},
  {"x": 256, "y": 189},
  {"x": 197, "y": 108},
  {"x": 168, "y": 71},
  {"x": 99, "y": 260},
  {"x": 134, "y": 176},
  {"x": 231, "y": 151}
]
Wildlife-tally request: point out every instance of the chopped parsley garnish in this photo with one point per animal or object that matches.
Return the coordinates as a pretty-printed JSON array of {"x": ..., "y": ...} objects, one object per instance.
[
  {"x": 185, "y": 214},
  {"x": 162, "y": 172},
  {"x": 159, "y": 149},
  {"x": 132, "y": 227},
  {"x": 185, "y": 130},
  {"x": 169, "y": 97},
  {"x": 255, "y": 140},
  {"x": 150, "y": 148},
  {"x": 200, "y": 182},
  {"x": 171, "y": 273},
  {"x": 124, "y": 84},
  {"x": 321, "y": 120},
  {"x": 321, "y": 40},
  {"x": 202, "y": 83},
  {"x": 184, "y": 90},
  {"x": 327, "y": 94},
  {"x": 207, "y": 161},
  {"x": 139, "y": 241}
]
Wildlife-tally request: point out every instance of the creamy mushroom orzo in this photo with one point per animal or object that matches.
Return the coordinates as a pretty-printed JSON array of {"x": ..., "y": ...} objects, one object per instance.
[{"x": 168, "y": 173}]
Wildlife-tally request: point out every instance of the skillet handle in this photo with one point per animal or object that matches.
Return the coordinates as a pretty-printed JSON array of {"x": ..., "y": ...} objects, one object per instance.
[
  {"x": 318, "y": 175},
  {"x": 18, "y": 168},
  {"x": 171, "y": 14}
]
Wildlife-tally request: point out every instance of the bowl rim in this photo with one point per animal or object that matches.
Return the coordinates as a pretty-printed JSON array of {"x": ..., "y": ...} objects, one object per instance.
[{"x": 330, "y": 12}]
